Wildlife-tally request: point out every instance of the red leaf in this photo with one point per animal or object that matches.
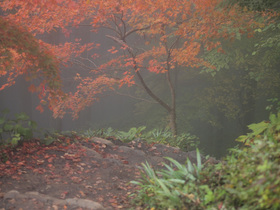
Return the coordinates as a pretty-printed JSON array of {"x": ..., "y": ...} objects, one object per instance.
[{"x": 40, "y": 108}]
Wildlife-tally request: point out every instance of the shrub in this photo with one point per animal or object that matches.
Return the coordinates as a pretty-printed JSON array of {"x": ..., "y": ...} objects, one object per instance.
[
  {"x": 176, "y": 187},
  {"x": 251, "y": 174},
  {"x": 14, "y": 130},
  {"x": 248, "y": 178},
  {"x": 184, "y": 141}
]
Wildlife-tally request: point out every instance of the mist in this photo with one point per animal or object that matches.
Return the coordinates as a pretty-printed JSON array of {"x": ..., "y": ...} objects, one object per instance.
[{"x": 212, "y": 123}]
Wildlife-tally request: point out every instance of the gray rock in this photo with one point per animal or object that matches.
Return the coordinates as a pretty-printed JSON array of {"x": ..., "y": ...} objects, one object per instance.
[
  {"x": 11, "y": 194},
  {"x": 84, "y": 203},
  {"x": 102, "y": 141}
]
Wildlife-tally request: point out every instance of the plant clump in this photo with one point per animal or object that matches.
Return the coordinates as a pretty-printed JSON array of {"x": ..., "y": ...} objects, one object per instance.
[
  {"x": 248, "y": 178},
  {"x": 14, "y": 130},
  {"x": 184, "y": 141}
]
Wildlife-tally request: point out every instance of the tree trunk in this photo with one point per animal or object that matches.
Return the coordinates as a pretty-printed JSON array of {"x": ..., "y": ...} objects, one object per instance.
[
  {"x": 172, "y": 112},
  {"x": 172, "y": 122},
  {"x": 171, "y": 109}
]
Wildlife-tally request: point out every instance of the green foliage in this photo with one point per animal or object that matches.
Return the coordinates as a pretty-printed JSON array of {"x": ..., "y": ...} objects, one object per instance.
[
  {"x": 14, "y": 130},
  {"x": 248, "y": 178},
  {"x": 262, "y": 129},
  {"x": 255, "y": 5},
  {"x": 103, "y": 133},
  {"x": 132, "y": 134},
  {"x": 219, "y": 60},
  {"x": 128, "y": 136},
  {"x": 252, "y": 173},
  {"x": 172, "y": 188},
  {"x": 63, "y": 137},
  {"x": 274, "y": 106},
  {"x": 184, "y": 141}
]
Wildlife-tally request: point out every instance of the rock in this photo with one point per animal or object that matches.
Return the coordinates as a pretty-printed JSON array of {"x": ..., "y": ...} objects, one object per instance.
[
  {"x": 75, "y": 202},
  {"x": 92, "y": 152},
  {"x": 84, "y": 203},
  {"x": 11, "y": 194},
  {"x": 102, "y": 141}
]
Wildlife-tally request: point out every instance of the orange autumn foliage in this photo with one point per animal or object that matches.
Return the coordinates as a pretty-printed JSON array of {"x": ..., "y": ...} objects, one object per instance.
[{"x": 169, "y": 34}]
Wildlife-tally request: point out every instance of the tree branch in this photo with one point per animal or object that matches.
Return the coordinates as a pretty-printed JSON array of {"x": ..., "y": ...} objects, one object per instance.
[
  {"x": 120, "y": 42},
  {"x": 134, "y": 97}
]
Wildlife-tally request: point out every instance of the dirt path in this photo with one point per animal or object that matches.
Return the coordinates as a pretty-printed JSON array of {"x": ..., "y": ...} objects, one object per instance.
[{"x": 77, "y": 173}]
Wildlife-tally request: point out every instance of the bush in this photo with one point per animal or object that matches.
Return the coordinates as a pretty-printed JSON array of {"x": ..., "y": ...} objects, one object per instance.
[
  {"x": 251, "y": 174},
  {"x": 184, "y": 141},
  {"x": 14, "y": 130},
  {"x": 173, "y": 188},
  {"x": 248, "y": 178}
]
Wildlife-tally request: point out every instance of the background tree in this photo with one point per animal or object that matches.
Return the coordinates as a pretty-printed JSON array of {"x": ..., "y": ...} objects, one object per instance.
[
  {"x": 222, "y": 105},
  {"x": 21, "y": 53},
  {"x": 171, "y": 35},
  {"x": 252, "y": 65}
]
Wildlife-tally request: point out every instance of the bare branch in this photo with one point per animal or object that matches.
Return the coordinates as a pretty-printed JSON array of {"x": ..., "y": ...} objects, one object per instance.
[
  {"x": 121, "y": 42},
  {"x": 134, "y": 97},
  {"x": 135, "y": 30}
]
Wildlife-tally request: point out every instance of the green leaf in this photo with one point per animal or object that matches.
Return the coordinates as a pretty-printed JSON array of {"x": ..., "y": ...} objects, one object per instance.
[
  {"x": 22, "y": 116},
  {"x": 258, "y": 128},
  {"x": 163, "y": 186},
  {"x": 15, "y": 139},
  {"x": 198, "y": 158},
  {"x": 242, "y": 138},
  {"x": 179, "y": 181},
  {"x": 190, "y": 166}
]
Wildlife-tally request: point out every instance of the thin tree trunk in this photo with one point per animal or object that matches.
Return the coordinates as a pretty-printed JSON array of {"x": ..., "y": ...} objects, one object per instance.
[
  {"x": 171, "y": 109},
  {"x": 172, "y": 122},
  {"x": 172, "y": 112}
]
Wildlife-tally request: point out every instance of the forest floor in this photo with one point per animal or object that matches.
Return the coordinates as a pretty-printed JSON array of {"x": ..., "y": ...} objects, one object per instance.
[{"x": 77, "y": 173}]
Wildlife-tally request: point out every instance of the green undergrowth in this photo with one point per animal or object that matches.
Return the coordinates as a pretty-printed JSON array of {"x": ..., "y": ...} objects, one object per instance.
[
  {"x": 15, "y": 129},
  {"x": 184, "y": 141},
  {"x": 248, "y": 178}
]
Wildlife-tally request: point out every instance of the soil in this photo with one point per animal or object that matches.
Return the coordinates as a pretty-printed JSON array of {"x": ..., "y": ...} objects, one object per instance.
[{"x": 77, "y": 173}]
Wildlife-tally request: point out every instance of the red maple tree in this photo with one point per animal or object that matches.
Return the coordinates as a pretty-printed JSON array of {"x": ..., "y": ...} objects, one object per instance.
[{"x": 170, "y": 35}]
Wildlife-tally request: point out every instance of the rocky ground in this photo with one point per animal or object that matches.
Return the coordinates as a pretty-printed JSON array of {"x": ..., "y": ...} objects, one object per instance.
[{"x": 77, "y": 173}]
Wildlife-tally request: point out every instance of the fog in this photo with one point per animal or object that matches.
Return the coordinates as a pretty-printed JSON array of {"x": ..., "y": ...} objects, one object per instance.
[{"x": 121, "y": 112}]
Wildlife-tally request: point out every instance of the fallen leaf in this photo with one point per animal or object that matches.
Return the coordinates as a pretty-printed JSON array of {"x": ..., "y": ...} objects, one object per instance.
[
  {"x": 63, "y": 195},
  {"x": 82, "y": 193},
  {"x": 40, "y": 162},
  {"x": 55, "y": 207},
  {"x": 21, "y": 163},
  {"x": 152, "y": 149}
]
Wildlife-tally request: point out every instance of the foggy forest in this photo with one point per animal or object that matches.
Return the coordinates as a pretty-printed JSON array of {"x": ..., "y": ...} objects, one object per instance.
[{"x": 198, "y": 76}]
